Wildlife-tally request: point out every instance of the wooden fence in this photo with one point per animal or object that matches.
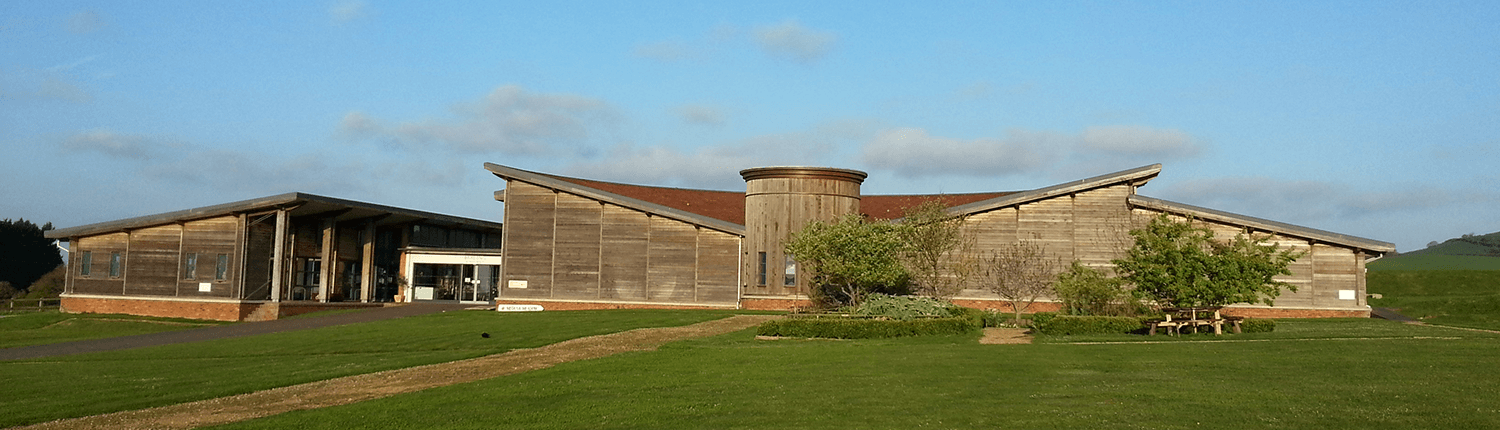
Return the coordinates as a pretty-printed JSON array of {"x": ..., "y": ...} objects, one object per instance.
[{"x": 31, "y": 304}]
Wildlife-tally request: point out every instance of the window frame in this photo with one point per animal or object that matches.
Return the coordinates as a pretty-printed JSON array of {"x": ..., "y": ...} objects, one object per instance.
[
  {"x": 86, "y": 264},
  {"x": 190, "y": 266},
  {"x": 116, "y": 264},
  {"x": 221, "y": 268}
]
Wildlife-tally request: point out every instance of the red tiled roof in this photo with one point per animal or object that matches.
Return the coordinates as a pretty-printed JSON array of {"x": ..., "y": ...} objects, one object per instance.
[
  {"x": 894, "y": 206},
  {"x": 729, "y": 206}
]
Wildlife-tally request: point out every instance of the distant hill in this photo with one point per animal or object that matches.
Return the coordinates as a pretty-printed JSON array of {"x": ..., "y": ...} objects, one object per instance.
[{"x": 1470, "y": 252}]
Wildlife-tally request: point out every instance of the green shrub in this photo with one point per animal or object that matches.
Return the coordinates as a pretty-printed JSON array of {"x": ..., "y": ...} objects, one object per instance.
[
  {"x": 1255, "y": 325},
  {"x": 864, "y": 328},
  {"x": 1088, "y": 291},
  {"x": 903, "y": 307},
  {"x": 1063, "y": 325}
]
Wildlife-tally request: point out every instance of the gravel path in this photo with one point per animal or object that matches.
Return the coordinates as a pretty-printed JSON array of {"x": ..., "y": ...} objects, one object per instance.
[
  {"x": 1004, "y": 336},
  {"x": 359, "y": 388}
]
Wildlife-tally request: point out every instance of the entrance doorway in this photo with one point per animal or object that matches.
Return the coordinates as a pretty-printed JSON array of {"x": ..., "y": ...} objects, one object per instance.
[{"x": 454, "y": 282}]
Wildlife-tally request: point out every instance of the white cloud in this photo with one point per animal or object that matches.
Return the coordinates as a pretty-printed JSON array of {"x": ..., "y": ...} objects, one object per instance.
[
  {"x": 348, "y": 10},
  {"x": 1138, "y": 140},
  {"x": 701, "y": 115},
  {"x": 85, "y": 22},
  {"x": 791, "y": 40},
  {"x": 666, "y": 51},
  {"x": 913, "y": 152},
  {"x": 509, "y": 120},
  {"x": 117, "y": 145},
  {"x": 716, "y": 166},
  {"x": 1301, "y": 201}
]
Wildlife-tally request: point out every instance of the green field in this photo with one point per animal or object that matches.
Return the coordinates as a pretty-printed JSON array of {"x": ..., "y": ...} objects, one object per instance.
[
  {"x": 37, "y": 328},
  {"x": 1465, "y": 298},
  {"x": 1315, "y": 374},
  {"x": 1435, "y": 262},
  {"x": 86, "y": 384}
]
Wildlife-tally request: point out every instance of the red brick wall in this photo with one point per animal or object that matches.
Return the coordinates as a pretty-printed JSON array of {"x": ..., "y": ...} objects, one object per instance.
[
  {"x": 582, "y": 306},
  {"x": 159, "y": 308},
  {"x": 1292, "y": 313},
  {"x": 774, "y": 304},
  {"x": 1004, "y": 306}
]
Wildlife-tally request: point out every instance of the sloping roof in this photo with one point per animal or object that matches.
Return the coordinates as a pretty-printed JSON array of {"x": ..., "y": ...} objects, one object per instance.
[
  {"x": 1261, "y": 224},
  {"x": 689, "y": 202},
  {"x": 894, "y": 206},
  {"x": 1137, "y": 176},
  {"x": 303, "y": 204}
]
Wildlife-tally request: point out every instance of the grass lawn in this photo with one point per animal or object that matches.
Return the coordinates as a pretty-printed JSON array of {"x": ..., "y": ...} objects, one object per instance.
[
  {"x": 1464, "y": 298},
  {"x": 1351, "y": 373},
  {"x": 51, "y": 388},
  {"x": 38, "y": 328}
]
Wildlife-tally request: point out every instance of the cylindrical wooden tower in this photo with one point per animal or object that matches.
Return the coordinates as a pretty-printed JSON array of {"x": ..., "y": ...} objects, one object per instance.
[{"x": 778, "y": 202}]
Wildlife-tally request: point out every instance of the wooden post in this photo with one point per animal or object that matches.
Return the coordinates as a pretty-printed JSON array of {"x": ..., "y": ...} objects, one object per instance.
[
  {"x": 327, "y": 272},
  {"x": 278, "y": 256},
  {"x": 367, "y": 264}
]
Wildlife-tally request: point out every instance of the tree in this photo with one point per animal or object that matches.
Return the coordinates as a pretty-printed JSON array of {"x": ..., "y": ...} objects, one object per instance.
[
  {"x": 25, "y": 254},
  {"x": 937, "y": 250},
  {"x": 1088, "y": 291},
  {"x": 1178, "y": 264},
  {"x": 850, "y": 258},
  {"x": 1020, "y": 273}
]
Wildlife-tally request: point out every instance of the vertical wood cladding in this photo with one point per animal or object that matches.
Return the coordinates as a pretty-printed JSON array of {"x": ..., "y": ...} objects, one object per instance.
[
  {"x": 568, "y": 247},
  {"x": 151, "y": 268},
  {"x": 779, "y": 202},
  {"x": 98, "y": 280}
]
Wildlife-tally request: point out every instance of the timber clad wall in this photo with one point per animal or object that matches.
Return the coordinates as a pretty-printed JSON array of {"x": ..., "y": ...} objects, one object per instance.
[
  {"x": 153, "y": 260},
  {"x": 781, "y": 201},
  {"x": 566, "y": 247}
]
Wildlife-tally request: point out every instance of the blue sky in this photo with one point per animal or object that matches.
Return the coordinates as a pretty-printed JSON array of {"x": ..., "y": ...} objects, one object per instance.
[{"x": 1374, "y": 119}]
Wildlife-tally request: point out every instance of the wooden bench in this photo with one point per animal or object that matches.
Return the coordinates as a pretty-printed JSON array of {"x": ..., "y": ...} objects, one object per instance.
[{"x": 1174, "y": 327}]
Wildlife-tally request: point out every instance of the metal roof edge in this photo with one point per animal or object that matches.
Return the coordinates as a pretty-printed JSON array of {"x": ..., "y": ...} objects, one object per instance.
[
  {"x": 1261, "y": 224},
  {"x": 243, "y": 206},
  {"x": 1139, "y": 175},
  {"x": 506, "y": 172}
]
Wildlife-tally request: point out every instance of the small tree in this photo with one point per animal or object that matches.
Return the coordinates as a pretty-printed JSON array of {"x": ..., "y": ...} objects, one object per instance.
[
  {"x": 1088, "y": 291},
  {"x": 937, "y": 252},
  {"x": 25, "y": 254},
  {"x": 1178, "y": 264},
  {"x": 1020, "y": 273},
  {"x": 850, "y": 258}
]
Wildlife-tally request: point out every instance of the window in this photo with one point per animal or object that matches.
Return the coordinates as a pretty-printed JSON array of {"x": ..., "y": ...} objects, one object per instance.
[
  {"x": 190, "y": 266},
  {"x": 114, "y": 264},
  {"x": 222, "y": 269},
  {"x": 86, "y": 265},
  {"x": 761, "y": 280},
  {"x": 791, "y": 271}
]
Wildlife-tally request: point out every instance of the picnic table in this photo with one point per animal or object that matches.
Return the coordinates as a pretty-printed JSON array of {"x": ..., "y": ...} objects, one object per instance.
[{"x": 1188, "y": 317}]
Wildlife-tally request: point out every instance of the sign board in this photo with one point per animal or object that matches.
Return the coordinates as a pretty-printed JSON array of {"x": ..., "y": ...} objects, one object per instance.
[
  {"x": 516, "y": 284},
  {"x": 205, "y": 287},
  {"x": 518, "y": 308},
  {"x": 1346, "y": 294}
]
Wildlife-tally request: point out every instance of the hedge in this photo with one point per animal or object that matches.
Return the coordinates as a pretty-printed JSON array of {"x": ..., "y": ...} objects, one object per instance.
[
  {"x": 1063, "y": 325},
  {"x": 864, "y": 328},
  {"x": 1256, "y": 325}
]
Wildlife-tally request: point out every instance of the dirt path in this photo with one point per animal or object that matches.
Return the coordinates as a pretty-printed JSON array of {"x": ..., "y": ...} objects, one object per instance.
[
  {"x": 1001, "y": 336},
  {"x": 359, "y": 388}
]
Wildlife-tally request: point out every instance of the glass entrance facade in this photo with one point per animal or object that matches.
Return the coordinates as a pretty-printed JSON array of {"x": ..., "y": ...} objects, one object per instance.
[{"x": 454, "y": 282}]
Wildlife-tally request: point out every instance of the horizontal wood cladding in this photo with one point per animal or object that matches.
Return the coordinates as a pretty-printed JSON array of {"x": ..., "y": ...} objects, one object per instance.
[
  {"x": 208, "y": 239},
  {"x": 568, "y": 247}
]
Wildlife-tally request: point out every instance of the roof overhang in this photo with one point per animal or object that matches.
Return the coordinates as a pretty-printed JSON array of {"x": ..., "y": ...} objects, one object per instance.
[
  {"x": 1137, "y": 177},
  {"x": 511, "y": 173},
  {"x": 1260, "y": 224},
  {"x": 296, "y": 205}
]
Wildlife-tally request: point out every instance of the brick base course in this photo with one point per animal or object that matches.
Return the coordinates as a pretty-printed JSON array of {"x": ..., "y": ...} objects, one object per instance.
[
  {"x": 584, "y": 306},
  {"x": 220, "y": 311}
]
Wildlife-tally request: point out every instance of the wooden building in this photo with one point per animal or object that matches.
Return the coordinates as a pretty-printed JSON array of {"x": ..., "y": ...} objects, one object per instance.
[
  {"x": 578, "y": 243},
  {"x": 277, "y": 256}
]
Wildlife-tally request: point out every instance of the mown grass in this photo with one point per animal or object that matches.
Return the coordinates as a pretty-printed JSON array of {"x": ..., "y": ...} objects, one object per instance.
[
  {"x": 1464, "y": 298},
  {"x": 1309, "y": 374},
  {"x": 1436, "y": 262},
  {"x": 71, "y": 386},
  {"x": 38, "y": 328}
]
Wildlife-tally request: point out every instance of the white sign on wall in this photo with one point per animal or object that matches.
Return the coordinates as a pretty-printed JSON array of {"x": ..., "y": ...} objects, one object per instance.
[
  {"x": 205, "y": 287},
  {"x": 518, "y": 308},
  {"x": 1346, "y": 294},
  {"x": 516, "y": 284}
]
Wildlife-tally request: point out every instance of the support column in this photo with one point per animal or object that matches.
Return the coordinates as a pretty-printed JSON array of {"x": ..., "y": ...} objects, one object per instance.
[
  {"x": 327, "y": 271},
  {"x": 367, "y": 264},
  {"x": 278, "y": 256}
]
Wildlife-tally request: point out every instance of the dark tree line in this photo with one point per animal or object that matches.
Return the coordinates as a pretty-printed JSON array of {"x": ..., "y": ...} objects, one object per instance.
[{"x": 25, "y": 254}]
